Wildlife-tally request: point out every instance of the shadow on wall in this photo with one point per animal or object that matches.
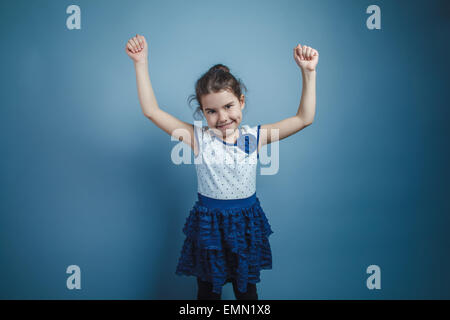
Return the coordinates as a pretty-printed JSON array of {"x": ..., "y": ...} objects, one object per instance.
[{"x": 175, "y": 191}]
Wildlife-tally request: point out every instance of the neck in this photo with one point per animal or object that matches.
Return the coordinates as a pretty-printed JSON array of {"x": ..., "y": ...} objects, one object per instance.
[{"x": 227, "y": 138}]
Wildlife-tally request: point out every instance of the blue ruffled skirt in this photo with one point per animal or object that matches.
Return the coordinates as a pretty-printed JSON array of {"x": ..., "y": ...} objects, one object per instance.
[{"x": 226, "y": 240}]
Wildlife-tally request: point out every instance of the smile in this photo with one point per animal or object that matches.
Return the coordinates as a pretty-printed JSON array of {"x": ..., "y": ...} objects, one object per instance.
[{"x": 226, "y": 125}]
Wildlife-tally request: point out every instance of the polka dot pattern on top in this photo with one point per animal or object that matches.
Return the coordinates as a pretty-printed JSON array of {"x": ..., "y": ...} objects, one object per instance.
[{"x": 226, "y": 170}]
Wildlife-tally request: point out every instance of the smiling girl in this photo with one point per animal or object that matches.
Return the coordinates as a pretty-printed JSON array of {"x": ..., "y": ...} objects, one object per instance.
[{"x": 227, "y": 230}]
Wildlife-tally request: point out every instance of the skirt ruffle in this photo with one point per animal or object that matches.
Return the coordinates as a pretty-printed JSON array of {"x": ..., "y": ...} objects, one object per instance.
[{"x": 223, "y": 244}]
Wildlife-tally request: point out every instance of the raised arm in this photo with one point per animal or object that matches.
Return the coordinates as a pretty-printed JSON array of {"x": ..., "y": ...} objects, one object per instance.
[
  {"x": 137, "y": 50},
  {"x": 307, "y": 59}
]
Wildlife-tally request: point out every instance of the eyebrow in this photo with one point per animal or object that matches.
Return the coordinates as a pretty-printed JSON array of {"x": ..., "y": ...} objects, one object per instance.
[{"x": 222, "y": 106}]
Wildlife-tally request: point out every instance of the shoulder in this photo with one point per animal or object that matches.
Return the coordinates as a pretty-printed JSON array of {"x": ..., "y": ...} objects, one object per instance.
[
  {"x": 202, "y": 133},
  {"x": 199, "y": 128}
]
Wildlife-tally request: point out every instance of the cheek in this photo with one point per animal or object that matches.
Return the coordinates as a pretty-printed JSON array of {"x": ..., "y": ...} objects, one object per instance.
[
  {"x": 211, "y": 118},
  {"x": 235, "y": 114}
]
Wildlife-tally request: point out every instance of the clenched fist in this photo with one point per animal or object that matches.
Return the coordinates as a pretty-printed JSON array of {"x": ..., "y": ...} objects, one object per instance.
[
  {"x": 306, "y": 57},
  {"x": 137, "y": 48}
]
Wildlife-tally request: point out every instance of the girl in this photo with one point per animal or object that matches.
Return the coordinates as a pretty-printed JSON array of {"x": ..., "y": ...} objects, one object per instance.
[{"x": 227, "y": 230}]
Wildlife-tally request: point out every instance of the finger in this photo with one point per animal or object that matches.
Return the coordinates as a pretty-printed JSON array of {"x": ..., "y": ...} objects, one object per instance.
[
  {"x": 308, "y": 53},
  {"x": 296, "y": 51},
  {"x": 141, "y": 43},
  {"x": 144, "y": 41},
  {"x": 138, "y": 45},
  {"x": 134, "y": 43},
  {"x": 304, "y": 51},
  {"x": 130, "y": 44},
  {"x": 130, "y": 47}
]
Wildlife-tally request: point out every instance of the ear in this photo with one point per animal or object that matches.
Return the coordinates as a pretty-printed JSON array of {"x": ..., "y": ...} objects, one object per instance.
[{"x": 242, "y": 101}]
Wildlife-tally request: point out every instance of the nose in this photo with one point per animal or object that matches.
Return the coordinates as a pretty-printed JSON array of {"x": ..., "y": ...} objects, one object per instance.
[{"x": 222, "y": 116}]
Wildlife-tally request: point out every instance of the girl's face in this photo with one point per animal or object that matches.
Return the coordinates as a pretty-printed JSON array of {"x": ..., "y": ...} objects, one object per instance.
[{"x": 223, "y": 111}]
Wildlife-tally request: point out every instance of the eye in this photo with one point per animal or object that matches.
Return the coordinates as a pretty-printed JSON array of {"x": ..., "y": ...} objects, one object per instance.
[
  {"x": 228, "y": 106},
  {"x": 210, "y": 111}
]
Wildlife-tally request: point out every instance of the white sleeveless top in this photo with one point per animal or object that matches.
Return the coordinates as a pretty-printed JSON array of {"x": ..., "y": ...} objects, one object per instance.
[{"x": 226, "y": 170}]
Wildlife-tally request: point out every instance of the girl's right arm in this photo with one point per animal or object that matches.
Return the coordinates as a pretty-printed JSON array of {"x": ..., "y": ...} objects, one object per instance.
[{"x": 137, "y": 50}]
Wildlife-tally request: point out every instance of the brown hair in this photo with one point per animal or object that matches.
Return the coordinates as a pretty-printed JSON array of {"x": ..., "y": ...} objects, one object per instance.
[{"x": 216, "y": 79}]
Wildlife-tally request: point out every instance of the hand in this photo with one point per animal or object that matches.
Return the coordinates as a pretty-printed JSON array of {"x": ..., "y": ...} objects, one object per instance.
[
  {"x": 137, "y": 48},
  {"x": 306, "y": 57}
]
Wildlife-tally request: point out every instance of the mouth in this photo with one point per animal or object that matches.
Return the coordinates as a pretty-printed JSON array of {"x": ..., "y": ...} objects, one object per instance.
[{"x": 225, "y": 126}]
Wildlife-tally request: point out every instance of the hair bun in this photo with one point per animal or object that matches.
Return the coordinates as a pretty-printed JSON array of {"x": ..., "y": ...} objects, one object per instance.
[{"x": 219, "y": 67}]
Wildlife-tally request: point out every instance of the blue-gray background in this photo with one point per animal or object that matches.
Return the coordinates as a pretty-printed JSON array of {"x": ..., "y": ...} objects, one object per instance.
[{"x": 87, "y": 180}]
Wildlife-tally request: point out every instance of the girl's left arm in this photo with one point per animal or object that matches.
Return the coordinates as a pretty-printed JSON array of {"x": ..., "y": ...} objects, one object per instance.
[{"x": 307, "y": 59}]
